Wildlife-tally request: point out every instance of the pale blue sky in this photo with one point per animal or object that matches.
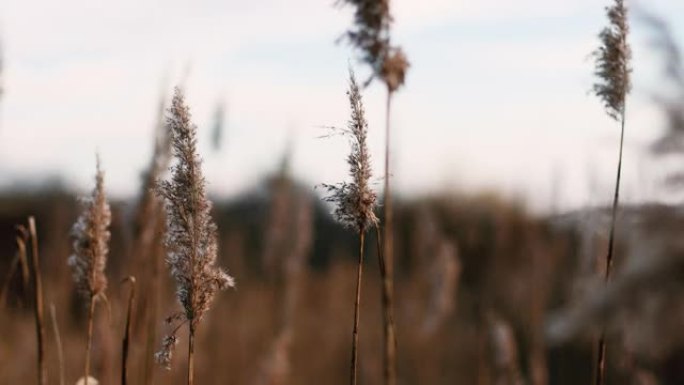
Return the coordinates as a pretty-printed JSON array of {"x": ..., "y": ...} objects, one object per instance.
[{"x": 496, "y": 97}]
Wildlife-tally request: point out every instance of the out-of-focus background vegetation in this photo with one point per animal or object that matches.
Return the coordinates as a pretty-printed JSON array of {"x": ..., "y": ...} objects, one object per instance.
[{"x": 503, "y": 174}]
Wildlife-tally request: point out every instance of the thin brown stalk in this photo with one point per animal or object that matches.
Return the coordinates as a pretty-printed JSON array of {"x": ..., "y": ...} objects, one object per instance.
[
  {"x": 537, "y": 362},
  {"x": 22, "y": 240},
  {"x": 127, "y": 331},
  {"x": 19, "y": 260},
  {"x": 356, "y": 201},
  {"x": 91, "y": 313},
  {"x": 357, "y": 306},
  {"x": 613, "y": 71},
  {"x": 148, "y": 246},
  {"x": 504, "y": 351},
  {"x": 152, "y": 308},
  {"x": 8, "y": 278},
  {"x": 191, "y": 355},
  {"x": 58, "y": 342},
  {"x": 38, "y": 303},
  {"x": 388, "y": 256},
  {"x": 601, "y": 353},
  {"x": 371, "y": 35}
]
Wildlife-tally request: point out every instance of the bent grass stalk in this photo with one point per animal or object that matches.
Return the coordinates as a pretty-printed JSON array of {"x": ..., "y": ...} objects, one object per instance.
[{"x": 38, "y": 303}]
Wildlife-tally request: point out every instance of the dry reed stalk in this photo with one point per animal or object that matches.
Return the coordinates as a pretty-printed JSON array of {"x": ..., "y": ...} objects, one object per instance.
[
  {"x": 278, "y": 232},
  {"x": 613, "y": 72},
  {"x": 296, "y": 259},
  {"x": 371, "y": 35},
  {"x": 91, "y": 236},
  {"x": 355, "y": 200},
  {"x": 537, "y": 362},
  {"x": 19, "y": 260},
  {"x": 357, "y": 311},
  {"x": 288, "y": 240},
  {"x": 58, "y": 342},
  {"x": 147, "y": 245},
  {"x": 443, "y": 276},
  {"x": 505, "y": 352},
  {"x": 389, "y": 336},
  {"x": 91, "y": 313},
  {"x": 8, "y": 278},
  {"x": 38, "y": 302},
  {"x": 276, "y": 368},
  {"x": 21, "y": 240},
  {"x": 190, "y": 235},
  {"x": 127, "y": 331}
]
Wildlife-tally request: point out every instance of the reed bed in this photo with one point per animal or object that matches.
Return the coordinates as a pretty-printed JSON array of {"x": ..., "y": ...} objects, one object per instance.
[{"x": 481, "y": 290}]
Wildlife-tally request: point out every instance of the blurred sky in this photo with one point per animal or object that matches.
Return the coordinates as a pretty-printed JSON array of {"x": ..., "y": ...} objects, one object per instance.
[{"x": 496, "y": 97}]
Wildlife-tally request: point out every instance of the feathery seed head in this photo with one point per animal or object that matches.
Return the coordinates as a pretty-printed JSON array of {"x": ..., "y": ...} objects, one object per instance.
[
  {"x": 372, "y": 20},
  {"x": 394, "y": 68},
  {"x": 191, "y": 233},
  {"x": 355, "y": 200},
  {"x": 612, "y": 61},
  {"x": 91, "y": 381},
  {"x": 90, "y": 236},
  {"x": 165, "y": 354}
]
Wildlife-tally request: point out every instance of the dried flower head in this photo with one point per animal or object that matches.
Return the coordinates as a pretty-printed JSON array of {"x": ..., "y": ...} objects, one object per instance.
[
  {"x": 90, "y": 236},
  {"x": 355, "y": 201},
  {"x": 165, "y": 354},
  {"x": 191, "y": 233},
  {"x": 612, "y": 61},
  {"x": 371, "y": 35}
]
